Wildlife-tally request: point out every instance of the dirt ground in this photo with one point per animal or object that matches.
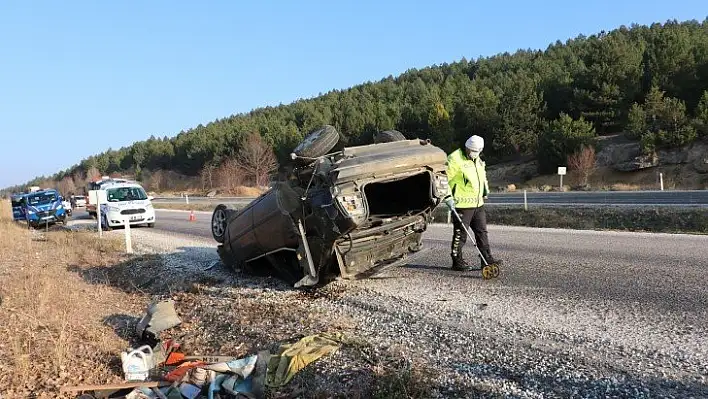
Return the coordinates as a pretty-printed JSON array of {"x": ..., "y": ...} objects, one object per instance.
[{"x": 69, "y": 303}]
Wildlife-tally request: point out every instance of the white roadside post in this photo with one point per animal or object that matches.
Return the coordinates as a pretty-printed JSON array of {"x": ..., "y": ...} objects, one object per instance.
[
  {"x": 561, "y": 173},
  {"x": 128, "y": 241},
  {"x": 526, "y": 204},
  {"x": 186, "y": 198},
  {"x": 661, "y": 181},
  {"x": 98, "y": 197}
]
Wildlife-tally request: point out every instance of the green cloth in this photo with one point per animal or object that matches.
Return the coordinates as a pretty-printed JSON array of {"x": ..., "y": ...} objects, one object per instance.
[
  {"x": 292, "y": 358},
  {"x": 467, "y": 180}
]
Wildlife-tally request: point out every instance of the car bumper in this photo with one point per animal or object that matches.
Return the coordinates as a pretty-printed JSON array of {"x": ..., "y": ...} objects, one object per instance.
[
  {"x": 368, "y": 249},
  {"x": 115, "y": 219},
  {"x": 34, "y": 219}
]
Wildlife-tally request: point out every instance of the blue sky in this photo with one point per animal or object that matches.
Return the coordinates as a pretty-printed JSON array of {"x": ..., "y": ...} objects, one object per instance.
[{"x": 78, "y": 77}]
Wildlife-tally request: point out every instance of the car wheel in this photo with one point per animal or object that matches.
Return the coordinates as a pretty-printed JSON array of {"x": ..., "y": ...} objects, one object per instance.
[
  {"x": 219, "y": 222},
  {"x": 104, "y": 224},
  {"x": 388, "y": 136},
  {"x": 151, "y": 225},
  {"x": 318, "y": 143}
]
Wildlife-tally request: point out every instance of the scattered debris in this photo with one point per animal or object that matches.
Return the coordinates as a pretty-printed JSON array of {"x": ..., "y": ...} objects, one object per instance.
[
  {"x": 137, "y": 363},
  {"x": 293, "y": 358},
  {"x": 161, "y": 370},
  {"x": 160, "y": 316}
]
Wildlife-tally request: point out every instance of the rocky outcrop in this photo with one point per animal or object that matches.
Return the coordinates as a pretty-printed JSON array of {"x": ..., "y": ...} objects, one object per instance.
[
  {"x": 696, "y": 152},
  {"x": 701, "y": 165},
  {"x": 637, "y": 163},
  {"x": 512, "y": 173},
  {"x": 628, "y": 156}
]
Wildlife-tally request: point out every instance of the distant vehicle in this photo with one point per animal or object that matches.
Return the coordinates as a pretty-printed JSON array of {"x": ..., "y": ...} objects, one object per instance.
[
  {"x": 126, "y": 200},
  {"x": 79, "y": 201},
  {"x": 67, "y": 206},
  {"x": 18, "y": 207},
  {"x": 97, "y": 185},
  {"x": 44, "y": 207},
  {"x": 33, "y": 189}
]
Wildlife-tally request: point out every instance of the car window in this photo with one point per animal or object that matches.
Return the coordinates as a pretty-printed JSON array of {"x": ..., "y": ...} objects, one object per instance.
[
  {"x": 126, "y": 194},
  {"x": 40, "y": 199}
]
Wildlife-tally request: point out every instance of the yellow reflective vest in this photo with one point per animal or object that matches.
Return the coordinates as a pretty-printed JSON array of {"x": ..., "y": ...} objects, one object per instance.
[{"x": 467, "y": 180}]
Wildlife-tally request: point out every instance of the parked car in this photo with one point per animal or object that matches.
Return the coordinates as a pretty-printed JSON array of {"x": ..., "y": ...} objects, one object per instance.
[
  {"x": 98, "y": 185},
  {"x": 44, "y": 207},
  {"x": 18, "y": 207},
  {"x": 79, "y": 201},
  {"x": 348, "y": 212},
  {"x": 126, "y": 200}
]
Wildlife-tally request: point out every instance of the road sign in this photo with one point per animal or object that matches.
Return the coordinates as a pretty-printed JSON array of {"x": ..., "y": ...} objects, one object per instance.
[{"x": 561, "y": 173}]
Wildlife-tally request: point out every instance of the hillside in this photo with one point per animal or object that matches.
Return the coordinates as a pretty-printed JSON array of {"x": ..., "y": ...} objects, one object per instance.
[{"x": 649, "y": 82}]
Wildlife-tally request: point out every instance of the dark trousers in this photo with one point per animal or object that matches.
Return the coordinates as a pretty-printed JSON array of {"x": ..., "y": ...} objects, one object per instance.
[{"x": 476, "y": 219}]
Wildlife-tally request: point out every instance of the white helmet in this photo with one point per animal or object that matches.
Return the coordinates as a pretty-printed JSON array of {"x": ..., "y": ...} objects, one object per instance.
[{"x": 475, "y": 144}]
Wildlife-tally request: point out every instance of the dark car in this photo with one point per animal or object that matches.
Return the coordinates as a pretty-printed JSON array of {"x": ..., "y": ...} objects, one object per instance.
[{"x": 348, "y": 212}]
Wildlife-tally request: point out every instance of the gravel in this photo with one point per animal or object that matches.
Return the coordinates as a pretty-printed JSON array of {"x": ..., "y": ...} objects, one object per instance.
[{"x": 589, "y": 314}]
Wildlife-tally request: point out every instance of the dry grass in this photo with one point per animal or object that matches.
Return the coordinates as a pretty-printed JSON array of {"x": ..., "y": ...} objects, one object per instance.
[
  {"x": 185, "y": 207},
  {"x": 237, "y": 191},
  {"x": 69, "y": 301},
  {"x": 245, "y": 191},
  {"x": 625, "y": 187},
  {"x": 51, "y": 320}
]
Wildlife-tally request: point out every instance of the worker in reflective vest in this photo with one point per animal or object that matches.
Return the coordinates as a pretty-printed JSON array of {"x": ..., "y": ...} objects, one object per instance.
[{"x": 467, "y": 178}]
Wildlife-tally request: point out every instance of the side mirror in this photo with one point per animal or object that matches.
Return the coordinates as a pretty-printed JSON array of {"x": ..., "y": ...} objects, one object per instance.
[{"x": 150, "y": 198}]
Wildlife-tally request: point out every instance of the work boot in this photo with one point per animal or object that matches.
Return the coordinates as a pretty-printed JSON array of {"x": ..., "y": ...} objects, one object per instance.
[{"x": 459, "y": 264}]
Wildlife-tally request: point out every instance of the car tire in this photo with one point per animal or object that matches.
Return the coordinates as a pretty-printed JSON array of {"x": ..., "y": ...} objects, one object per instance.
[
  {"x": 219, "y": 222},
  {"x": 318, "y": 143},
  {"x": 151, "y": 225},
  {"x": 388, "y": 136},
  {"x": 105, "y": 226}
]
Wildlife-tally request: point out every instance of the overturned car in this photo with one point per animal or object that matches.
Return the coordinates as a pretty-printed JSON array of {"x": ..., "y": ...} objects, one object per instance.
[{"x": 348, "y": 212}]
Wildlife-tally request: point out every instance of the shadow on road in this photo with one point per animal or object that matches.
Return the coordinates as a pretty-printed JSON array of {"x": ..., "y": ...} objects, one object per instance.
[{"x": 187, "y": 270}]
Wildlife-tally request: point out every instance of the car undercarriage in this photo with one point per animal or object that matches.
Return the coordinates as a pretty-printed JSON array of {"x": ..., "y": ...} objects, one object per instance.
[{"x": 344, "y": 213}]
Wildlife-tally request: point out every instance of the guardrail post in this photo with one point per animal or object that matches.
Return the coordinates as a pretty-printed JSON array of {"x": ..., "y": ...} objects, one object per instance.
[
  {"x": 98, "y": 219},
  {"x": 128, "y": 241}
]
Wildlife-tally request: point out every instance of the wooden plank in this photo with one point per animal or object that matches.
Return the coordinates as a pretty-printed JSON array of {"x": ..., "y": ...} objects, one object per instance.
[{"x": 125, "y": 385}]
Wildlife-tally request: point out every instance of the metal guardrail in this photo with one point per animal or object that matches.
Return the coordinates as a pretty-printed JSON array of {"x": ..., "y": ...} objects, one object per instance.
[{"x": 688, "y": 198}]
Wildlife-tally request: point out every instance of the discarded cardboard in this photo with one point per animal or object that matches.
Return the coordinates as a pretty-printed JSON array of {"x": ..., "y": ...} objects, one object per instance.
[{"x": 159, "y": 317}]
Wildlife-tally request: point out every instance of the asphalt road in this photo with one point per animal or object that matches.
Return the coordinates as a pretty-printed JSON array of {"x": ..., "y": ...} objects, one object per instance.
[
  {"x": 663, "y": 270},
  {"x": 608, "y": 198}
]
